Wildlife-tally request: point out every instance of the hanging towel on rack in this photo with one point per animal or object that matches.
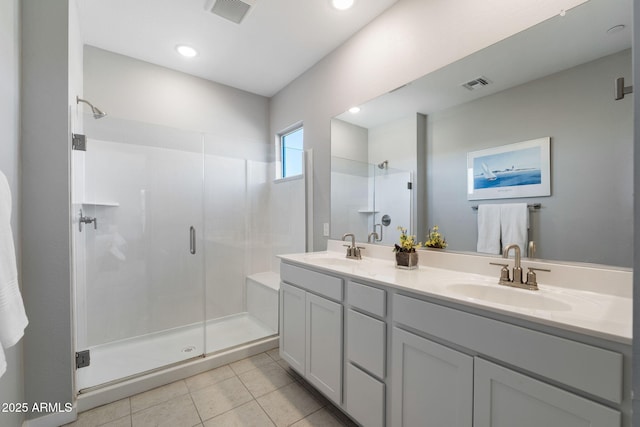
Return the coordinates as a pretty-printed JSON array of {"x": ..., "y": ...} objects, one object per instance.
[
  {"x": 489, "y": 229},
  {"x": 514, "y": 225},
  {"x": 13, "y": 319}
]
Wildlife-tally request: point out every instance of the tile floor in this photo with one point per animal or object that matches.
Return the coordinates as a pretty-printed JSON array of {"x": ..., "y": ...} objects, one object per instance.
[{"x": 258, "y": 391}]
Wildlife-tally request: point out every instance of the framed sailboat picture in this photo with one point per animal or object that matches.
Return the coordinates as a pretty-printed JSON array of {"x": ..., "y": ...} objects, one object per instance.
[{"x": 509, "y": 171}]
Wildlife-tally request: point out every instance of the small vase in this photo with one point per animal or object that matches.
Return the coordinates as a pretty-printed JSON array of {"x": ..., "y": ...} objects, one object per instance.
[{"x": 407, "y": 260}]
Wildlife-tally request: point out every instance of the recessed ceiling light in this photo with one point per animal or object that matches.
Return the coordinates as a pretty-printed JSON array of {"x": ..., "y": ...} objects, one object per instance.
[
  {"x": 342, "y": 4},
  {"x": 354, "y": 110},
  {"x": 186, "y": 51}
]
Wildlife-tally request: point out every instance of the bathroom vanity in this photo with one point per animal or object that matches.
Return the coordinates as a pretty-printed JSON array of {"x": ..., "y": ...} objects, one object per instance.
[{"x": 445, "y": 345}]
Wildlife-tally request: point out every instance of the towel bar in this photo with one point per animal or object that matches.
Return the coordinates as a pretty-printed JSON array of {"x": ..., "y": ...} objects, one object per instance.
[{"x": 530, "y": 206}]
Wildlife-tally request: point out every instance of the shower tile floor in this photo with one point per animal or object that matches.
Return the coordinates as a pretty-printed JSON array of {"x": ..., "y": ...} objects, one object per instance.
[{"x": 255, "y": 392}]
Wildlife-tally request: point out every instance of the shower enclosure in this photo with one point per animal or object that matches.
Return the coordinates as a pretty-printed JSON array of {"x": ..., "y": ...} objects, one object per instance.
[
  {"x": 370, "y": 197},
  {"x": 167, "y": 227}
]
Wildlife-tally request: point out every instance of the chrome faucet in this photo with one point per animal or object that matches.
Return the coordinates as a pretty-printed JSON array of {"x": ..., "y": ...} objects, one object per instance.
[
  {"x": 353, "y": 251},
  {"x": 517, "y": 282},
  {"x": 373, "y": 237}
]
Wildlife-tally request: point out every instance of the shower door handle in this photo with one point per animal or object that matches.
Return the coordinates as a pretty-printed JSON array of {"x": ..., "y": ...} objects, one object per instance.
[{"x": 192, "y": 240}]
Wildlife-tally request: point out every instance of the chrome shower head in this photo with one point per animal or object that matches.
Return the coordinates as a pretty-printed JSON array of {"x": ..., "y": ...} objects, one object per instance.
[
  {"x": 383, "y": 165},
  {"x": 97, "y": 113}
]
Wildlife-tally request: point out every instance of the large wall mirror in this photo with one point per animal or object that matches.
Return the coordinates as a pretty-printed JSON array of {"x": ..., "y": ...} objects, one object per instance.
[{"x": 553, "y": 80}]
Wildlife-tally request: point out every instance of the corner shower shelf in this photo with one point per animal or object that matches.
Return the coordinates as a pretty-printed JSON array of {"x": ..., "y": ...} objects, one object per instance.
[{"x": 101, "y": 203}]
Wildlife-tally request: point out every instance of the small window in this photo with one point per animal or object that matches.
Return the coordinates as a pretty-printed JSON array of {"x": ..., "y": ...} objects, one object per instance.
[{"x": 291, "y": 153}]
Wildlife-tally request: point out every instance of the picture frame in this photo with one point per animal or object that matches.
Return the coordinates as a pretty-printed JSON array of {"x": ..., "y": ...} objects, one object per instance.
[{"x": 515, "y": 170}]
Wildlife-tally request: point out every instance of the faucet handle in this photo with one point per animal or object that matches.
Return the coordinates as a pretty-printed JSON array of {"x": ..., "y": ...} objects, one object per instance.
[
  {"x": 504, "y": 272},
  {"x": 531, "y": 276}
]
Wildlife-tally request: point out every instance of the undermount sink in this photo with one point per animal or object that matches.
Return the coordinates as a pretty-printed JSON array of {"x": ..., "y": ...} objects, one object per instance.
[{"x": 509, "y": 297}]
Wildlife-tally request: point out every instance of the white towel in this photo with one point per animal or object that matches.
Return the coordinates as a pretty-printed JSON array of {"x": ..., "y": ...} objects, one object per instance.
[
  {"x": 3, "y": 362},
  {"x": 13, "y": 319},
  {"x": 514, "y": 224},
  {"x": 489, "y": 229}
]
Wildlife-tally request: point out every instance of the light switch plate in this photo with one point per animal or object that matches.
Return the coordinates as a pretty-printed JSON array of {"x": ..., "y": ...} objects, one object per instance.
[{"x": 325, "y": 231}]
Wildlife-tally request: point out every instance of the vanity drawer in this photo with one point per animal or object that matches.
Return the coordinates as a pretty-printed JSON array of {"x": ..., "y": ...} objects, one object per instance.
[
  {"x": 584, "y": 367},
  {"x": 365, "y": 397},
  {"x": 319, "y": 283},
  {"x": 366, "y": 298},
  {"x": 366, "y": 340}
]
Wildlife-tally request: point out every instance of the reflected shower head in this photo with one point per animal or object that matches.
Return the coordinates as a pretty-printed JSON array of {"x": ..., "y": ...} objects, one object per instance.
[
  {"x": 384, "y": 165},
  {"x": 97, "y": 113}
]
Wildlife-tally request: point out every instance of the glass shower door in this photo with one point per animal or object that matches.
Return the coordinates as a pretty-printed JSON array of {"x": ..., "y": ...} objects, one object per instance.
[{"x": 138, "y": 226}]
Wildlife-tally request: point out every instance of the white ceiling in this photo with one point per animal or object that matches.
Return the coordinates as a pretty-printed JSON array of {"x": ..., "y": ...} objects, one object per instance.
[{"x": 276, "y": 42}]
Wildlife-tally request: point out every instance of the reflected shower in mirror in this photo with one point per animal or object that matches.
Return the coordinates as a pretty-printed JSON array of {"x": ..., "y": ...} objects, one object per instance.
[
  {"x": 553, "y": 80},
  {"x": 371, "y": 200}
]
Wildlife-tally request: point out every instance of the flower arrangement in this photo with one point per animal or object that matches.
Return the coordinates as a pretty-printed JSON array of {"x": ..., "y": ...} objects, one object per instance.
[
  {"x": 407, "y": 243},
  {"x": 436, "y": 240}
]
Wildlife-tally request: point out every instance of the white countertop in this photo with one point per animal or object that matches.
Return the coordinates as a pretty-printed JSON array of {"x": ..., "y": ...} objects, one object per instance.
[{"x": 571, "y": 307}]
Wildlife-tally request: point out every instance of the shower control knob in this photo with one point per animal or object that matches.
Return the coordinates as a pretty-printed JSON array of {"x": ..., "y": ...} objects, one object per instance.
[{"x": 87, "y": 220}]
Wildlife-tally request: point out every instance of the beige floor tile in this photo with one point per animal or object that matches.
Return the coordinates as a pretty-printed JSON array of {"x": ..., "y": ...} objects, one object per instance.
[
  {"x": 221, "y": 397},
  {"x": 321, "y": 418},
  {"x": 288, "y": 404},
  {"x": 248, "y": 415},
  {"x": 265, "y": 379},
  {"x": 208, "y": 378},
  {"x": 122, "y": 422},
  {"x": 337, "y": 413},
  {"x": 158, "y": 395},
  {"x": 103, "y": 414},
  {"x": 250, "y": 363},
  {"x": 179, "y": 411},
  {"x": 274, "y": 353},
  {"x": 284, "y": 365},
  {"x": 314, "y": 392}
]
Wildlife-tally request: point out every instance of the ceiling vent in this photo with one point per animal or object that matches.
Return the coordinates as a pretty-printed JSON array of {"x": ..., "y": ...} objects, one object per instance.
[
  {"x": 476, "y": 83},
  {"x": 233, "y": 10}
]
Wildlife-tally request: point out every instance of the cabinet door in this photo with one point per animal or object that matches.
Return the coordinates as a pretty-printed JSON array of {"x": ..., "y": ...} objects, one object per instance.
[
  {"x": 504, "y": 398},
  {"x": 324, "y": 346},
  {"x": 432, "y": 384},
  {"x": 292, "y": 326}
]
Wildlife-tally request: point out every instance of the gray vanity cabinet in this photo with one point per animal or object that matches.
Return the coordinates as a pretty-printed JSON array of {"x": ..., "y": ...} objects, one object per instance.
[
  {"x": 432, "y": 384},
  {"x": 388, "y": 356},
  {"x": 507, "y": 398},
  {"x": 311, "y": 327}
]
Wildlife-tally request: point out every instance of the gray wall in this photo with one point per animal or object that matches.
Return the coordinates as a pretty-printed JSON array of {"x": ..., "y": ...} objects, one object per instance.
[
  {"x": 11, "y": 383},
  {"x": 349, "y": 141},
  {"x": 136, "y": 90},
  {"x": 402, "y": 44},
  {"x": 589, "y": 215},
  {"x": 46, "y": 70}
]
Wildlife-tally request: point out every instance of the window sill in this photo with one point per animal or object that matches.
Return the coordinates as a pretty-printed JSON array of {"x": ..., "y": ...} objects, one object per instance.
[{"x": 289, "y": 178}]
